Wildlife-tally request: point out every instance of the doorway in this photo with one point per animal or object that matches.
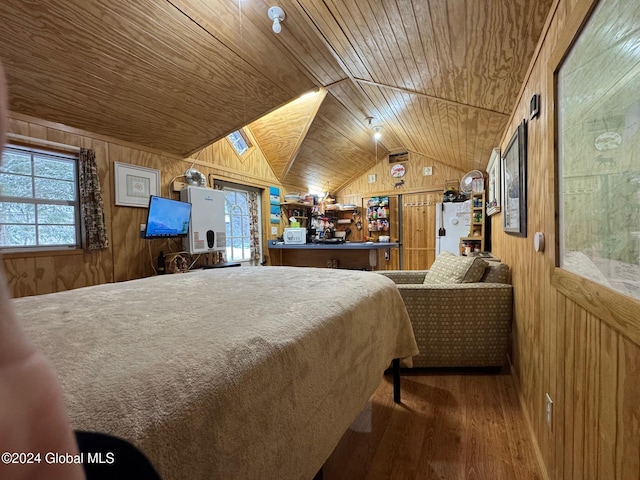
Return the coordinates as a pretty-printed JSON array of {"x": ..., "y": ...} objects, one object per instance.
[
  {"x": 419, "y": 229},
  {"x": 243, "y": 222}
]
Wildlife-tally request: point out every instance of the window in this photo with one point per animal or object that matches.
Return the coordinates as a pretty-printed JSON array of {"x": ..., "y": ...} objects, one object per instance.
[
  {"x": 598, "y": 145},
  {"x": 39, "y": 206},
  {"x": 237, "y": 219},
  {"x": 240, "y": 142},
  {"x": 242, "y": 208}
]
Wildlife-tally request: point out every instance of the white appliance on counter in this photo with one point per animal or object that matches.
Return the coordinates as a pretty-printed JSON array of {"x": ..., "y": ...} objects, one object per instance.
[
  {"x": 295, "y": 236},
  {"x": 455, "y": 217}
]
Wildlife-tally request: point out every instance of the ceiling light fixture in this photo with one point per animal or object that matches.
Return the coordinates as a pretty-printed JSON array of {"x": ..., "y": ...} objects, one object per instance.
[
  {"x": 276, "y": 14},
  {"x": 377, "y": 134}
]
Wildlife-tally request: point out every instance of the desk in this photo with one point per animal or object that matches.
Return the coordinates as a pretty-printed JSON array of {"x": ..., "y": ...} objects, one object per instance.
[{"x": 353, "y": 255}]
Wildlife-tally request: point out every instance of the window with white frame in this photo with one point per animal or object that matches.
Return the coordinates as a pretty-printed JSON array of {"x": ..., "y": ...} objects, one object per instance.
[
  {"x": 39, "y": 204},
  {"x": 243, "y": 226},
  {"x": 240, "y": 142},
  {"x": 236, "y": 208}
]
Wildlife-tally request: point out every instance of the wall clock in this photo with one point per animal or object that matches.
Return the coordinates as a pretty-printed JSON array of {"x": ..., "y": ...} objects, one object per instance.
[{"x": 397, "y": 171}]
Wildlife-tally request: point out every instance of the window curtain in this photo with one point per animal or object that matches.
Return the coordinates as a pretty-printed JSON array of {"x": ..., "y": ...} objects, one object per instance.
[
  {"x": 254, "y": 232},
  {"x": 95, "y": 230}
]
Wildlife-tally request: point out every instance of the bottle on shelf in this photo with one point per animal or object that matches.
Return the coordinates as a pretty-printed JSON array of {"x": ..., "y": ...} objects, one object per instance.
[
  {"x": 475, "y": 241},
  {"x": 378, "y": 214}
]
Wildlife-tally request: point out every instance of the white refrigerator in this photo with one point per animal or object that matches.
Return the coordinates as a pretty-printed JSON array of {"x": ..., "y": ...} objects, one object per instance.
[{"x": 455, "y": 218}]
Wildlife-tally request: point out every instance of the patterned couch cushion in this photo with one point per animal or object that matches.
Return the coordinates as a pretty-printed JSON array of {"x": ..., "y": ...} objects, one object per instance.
[
  {"x": 497, "y": 272},
  {"x": 449, "y": 268}
]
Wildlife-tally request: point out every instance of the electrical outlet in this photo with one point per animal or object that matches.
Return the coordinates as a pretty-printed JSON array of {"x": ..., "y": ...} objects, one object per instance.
[
  {"x": 426, "y": 171},
  {"x": 274, "y": 230},
  {"x": 549, "y": 410}
]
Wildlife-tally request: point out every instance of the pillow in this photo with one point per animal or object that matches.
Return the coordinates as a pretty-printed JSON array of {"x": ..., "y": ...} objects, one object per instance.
[
  {"x": 449, "y": 268},
  {"x": 496, "y": 272}
]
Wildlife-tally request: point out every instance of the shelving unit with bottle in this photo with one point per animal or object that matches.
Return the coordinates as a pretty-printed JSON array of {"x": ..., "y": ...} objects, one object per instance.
[
  {"x": 342, "y": 219},
  {"x": 378, "y": 216},
  {"x": 302, "y": 212},
  {"x": 475, "y": 241}
]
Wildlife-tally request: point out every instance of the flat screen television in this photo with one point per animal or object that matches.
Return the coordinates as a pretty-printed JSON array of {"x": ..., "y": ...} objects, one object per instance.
[{"x": 167, "y": 218}]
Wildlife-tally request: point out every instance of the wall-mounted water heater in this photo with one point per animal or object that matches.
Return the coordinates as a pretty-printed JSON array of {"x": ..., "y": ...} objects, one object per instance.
[{"x": 207, "y": 231}]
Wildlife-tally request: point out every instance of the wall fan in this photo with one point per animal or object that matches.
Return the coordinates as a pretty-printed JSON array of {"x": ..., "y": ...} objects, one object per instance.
[
  {"x": 466, "y": 183},
  {"x": 195, "y": 178}
]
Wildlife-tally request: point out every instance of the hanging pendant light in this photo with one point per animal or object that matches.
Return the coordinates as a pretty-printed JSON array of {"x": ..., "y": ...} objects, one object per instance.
[{"x": 377, "y": 135}]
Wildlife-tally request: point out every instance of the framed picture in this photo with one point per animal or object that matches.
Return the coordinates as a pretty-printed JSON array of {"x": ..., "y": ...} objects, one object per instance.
[
  {"x": 493, "y": 170},
  {"x": 514, "y": 183},
  {"x": 135, "y": 184}
]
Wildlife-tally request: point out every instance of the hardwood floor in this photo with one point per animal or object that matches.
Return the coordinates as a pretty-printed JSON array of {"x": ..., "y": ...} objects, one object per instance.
[{"x": 451, "y": 425}]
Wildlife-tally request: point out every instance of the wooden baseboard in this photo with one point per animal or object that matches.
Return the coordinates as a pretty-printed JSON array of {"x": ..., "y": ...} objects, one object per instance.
[{"x": 542, "y": 468}]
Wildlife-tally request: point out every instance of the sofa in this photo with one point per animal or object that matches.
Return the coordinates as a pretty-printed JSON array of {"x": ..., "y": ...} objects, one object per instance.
[{"x": 461, "y": 311}]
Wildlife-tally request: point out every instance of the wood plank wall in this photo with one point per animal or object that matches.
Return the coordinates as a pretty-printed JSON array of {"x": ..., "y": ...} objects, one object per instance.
[
  {"x": 414, "y": 181},
  {"x": 572, "y": 339},
  {"x": 417, "y": 188},
  {"x": 128, "y": 256}
]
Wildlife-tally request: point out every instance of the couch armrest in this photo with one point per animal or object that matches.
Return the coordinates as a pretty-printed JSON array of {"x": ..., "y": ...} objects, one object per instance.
[
  {"x": 460, "y": 325},
  {"x": 402, "y": 277}
]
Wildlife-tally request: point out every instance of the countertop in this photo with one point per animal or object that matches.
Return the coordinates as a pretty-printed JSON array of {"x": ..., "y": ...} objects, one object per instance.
[{"x": 335, "y": 246}]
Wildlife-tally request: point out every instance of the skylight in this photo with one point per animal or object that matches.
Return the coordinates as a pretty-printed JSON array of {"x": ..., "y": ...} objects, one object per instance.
[{"x": 239, "y": 141}]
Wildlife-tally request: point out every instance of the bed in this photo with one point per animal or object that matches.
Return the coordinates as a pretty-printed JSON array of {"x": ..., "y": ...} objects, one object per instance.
[{"x": 238, "y": 373}]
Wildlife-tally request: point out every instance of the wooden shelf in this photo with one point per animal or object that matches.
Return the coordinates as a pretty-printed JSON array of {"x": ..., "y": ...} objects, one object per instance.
[
  {"x": 378, "y": 217},
  {"x": 296, "y": 204},
  {"x": 345, "y": 221},
  {"x": 475, "y": 241},
  {"x": 302, "y": 212}
]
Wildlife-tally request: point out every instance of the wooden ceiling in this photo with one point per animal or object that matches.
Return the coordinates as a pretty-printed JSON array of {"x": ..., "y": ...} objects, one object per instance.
[{"x": 440, "y": 76}]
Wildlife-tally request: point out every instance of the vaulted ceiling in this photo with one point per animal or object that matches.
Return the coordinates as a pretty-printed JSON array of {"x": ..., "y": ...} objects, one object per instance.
[{"x": 440, "y": 76}]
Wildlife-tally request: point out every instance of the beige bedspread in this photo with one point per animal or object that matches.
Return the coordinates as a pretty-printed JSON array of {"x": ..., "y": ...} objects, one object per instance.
[{"x": 237, "y": 373}]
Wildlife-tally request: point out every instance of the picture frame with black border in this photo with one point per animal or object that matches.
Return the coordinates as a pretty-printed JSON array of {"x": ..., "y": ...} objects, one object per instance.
[{"x": 514, "y": 183}]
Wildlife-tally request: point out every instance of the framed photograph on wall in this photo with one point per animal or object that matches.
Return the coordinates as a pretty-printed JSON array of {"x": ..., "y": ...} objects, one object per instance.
[
  {"x": 493, "y": 194},
  {"x": 514, "y": 183},
  {"x": 135, "y": 184}
]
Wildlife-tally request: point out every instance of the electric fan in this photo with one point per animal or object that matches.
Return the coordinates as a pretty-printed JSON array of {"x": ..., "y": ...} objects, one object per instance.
[
  {"x": 466, "y": 183},
  {"x": 195, "y": 178}
]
